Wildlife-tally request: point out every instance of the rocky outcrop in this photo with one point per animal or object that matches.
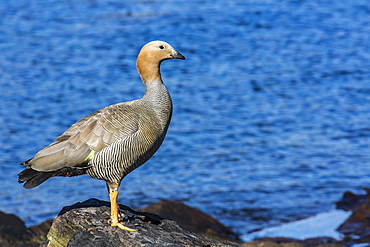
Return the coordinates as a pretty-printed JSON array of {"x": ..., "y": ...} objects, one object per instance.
[
  {"x": 12, "y": 230},
  {"x": 191, "y": 219},
  {"x": 357, "y": 227},
  {"x": 351, "y": 201},
  {"x": 289, "y": 242},
  {"x": 14, "y": 233},
  {"x": 86, "y": 224}
]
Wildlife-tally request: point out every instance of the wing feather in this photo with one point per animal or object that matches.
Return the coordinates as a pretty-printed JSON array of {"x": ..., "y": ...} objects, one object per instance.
[{"x": 92, "y": 133}]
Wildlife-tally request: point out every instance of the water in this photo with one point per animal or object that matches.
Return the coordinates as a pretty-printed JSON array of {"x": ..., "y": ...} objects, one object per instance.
[{"x": 271, "y": 108}]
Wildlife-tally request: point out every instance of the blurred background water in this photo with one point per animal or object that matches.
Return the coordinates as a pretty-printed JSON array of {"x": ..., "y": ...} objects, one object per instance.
[{"x": 271, "y": 107}]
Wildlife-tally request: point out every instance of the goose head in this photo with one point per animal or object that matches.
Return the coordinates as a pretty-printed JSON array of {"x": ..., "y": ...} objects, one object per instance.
[{"x": 151, "y": 56}]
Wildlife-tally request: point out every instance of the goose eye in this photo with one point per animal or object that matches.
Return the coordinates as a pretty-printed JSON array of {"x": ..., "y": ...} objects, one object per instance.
[{"x": 161, "y": 47}]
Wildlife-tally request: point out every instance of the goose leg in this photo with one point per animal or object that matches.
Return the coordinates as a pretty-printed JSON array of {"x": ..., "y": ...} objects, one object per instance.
[{"x": 113, "y": 194}]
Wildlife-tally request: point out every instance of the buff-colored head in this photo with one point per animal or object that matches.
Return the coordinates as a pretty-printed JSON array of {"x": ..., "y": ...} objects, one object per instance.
[{"x": 150, "y": 58}]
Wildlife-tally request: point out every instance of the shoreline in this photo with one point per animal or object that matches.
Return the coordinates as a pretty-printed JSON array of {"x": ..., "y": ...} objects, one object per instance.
[{"x": 345, "y": 226}]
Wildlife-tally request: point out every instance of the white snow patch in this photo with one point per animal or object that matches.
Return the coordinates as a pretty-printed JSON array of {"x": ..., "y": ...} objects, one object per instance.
[
  {"x": 361, "y": 245},
  {"x": 320, "y": 225}
]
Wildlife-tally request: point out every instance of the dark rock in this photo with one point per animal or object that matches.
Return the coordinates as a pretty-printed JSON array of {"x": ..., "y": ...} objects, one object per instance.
[
  {"x": 351, "y": 201},
  {"x": 191, "y": 219},
  {"x": 271, "y": 244},
  {"x": 321, "y": 241},
  {"x": 358, "y": 223},
  {"x": 277, "y": 242},
  {"x": 289, "y": 242},
  {"x": 86, "y": 224},
  {"x": 13, "y": 232},
  {"x": 40, "y": 231},
  {"x": 357, "y": 227}
]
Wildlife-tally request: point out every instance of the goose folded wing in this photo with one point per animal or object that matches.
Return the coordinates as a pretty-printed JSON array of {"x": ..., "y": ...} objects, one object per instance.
[{"x": 77, "y": 145}]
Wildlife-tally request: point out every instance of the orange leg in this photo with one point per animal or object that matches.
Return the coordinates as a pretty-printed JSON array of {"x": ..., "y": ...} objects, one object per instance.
[{"x": 113, "y": 194}]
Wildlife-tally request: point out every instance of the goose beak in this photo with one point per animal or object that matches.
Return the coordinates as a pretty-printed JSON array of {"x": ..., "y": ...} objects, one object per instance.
[{"x": 177, "y": 55}]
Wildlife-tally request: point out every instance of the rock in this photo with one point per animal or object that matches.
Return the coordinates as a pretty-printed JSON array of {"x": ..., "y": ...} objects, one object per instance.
[
  {"x": 351, "y": 201},
  {"x": 321, "y": 241},
  {"x": 274, "y": 242},
  {"x": 271, "y": 244},
  {"x": 289, "y": 242},
  {"x": 191, "y": 219},
  {"x": 40, "y": 231},
  {"x": 357, "y": 226},
  {"x": 86, "y": 224},
  {"x": 13, "y": 231}
]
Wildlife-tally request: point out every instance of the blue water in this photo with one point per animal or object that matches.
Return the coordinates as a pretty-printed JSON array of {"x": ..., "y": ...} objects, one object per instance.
[{"x": 271, "y": 108}]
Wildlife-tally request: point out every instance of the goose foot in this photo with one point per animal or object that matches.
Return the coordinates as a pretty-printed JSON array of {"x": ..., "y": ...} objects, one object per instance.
[{"x": 123, "y": 227}]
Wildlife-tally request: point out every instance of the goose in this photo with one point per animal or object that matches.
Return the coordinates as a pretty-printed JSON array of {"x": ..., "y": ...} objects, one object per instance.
[{"x": 111, "y": 142}]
